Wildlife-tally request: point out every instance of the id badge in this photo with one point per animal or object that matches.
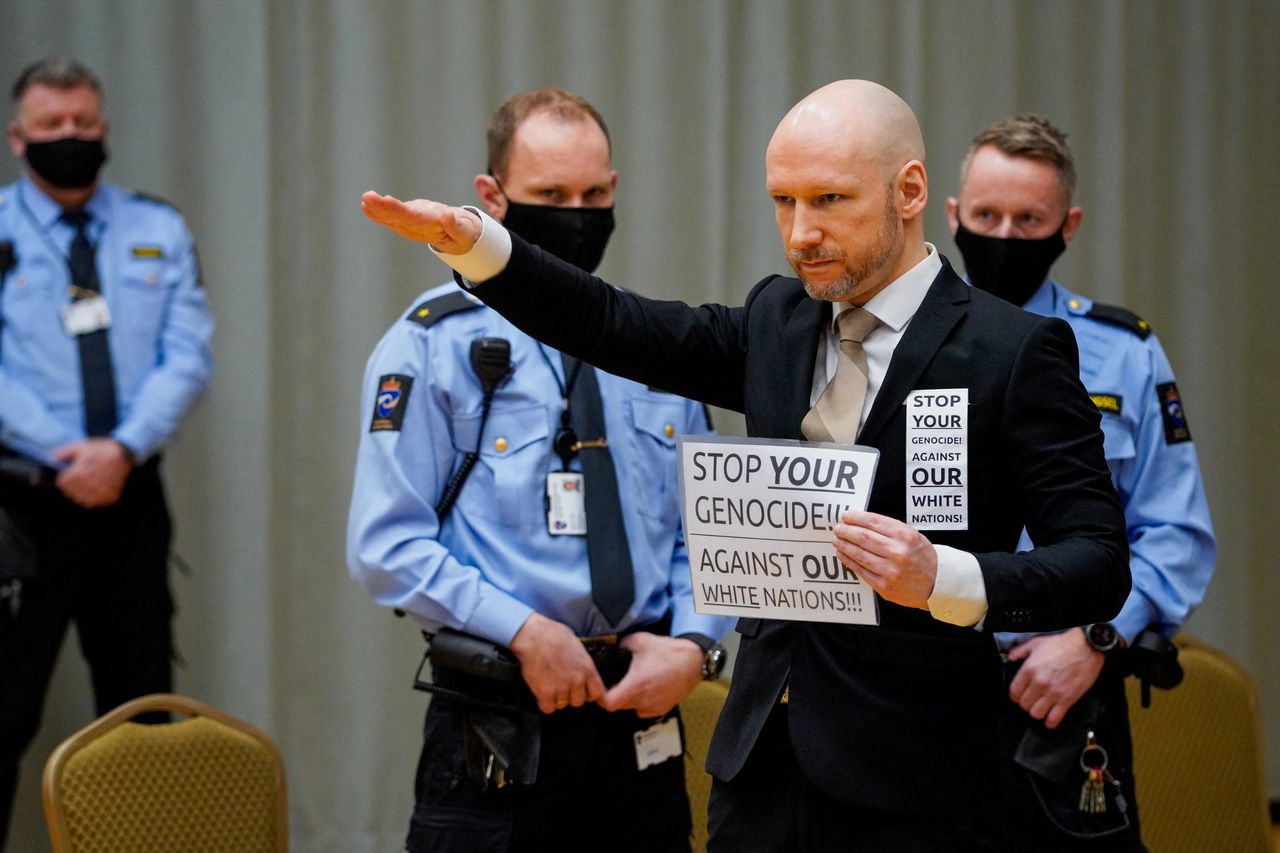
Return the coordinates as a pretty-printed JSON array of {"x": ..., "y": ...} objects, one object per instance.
[
  {"x": 566, "y": 509},
  {"x": 657, "y": 743},
  {"x": 86, "y": 315}
]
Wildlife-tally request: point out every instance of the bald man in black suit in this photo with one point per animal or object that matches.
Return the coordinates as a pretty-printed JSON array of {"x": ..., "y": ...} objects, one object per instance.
[{"x": 839, "y": 737}]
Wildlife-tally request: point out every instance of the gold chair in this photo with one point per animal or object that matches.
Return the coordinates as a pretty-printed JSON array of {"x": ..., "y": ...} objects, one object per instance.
[
  {"x": 1198, "y": 759},
  {"x": 210, "y": 782},
  {"x": 699, "y": 711}
]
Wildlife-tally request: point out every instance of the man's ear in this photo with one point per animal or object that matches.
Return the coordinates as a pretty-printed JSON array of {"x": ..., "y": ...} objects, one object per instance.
[
  {"x": 953, "y": 214},
  {"x": 913, "y": 189},
  {"x": 490, "y": 194},
  {"x": 1072, "y": 223},
  {"x": 16, "y": 143}
]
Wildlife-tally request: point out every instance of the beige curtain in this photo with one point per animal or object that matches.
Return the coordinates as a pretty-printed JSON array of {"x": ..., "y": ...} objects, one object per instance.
[{"x": 263, "y": 120}]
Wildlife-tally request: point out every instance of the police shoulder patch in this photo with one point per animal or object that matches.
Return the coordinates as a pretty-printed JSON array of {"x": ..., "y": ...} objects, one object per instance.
[
  {"x": 390, "y": 402},
  {"x": 432, "y": 311},
  {"x": 1107, "y": 403},
  {"x": 1123, "y": 317},
  {"x": 1176, "y": 430}
]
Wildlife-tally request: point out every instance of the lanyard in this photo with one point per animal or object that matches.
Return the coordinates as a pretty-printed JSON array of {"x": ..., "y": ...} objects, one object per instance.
[
  {"x": 76, "y": 293},
  {"x": 565, "y": 444},
  {"x": 40, "y": 229}
]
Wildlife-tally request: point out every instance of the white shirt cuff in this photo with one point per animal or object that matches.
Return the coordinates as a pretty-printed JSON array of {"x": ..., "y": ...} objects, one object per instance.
[
  {"x": 959, "y": 592},
  {"x": 487, "y": 257}
]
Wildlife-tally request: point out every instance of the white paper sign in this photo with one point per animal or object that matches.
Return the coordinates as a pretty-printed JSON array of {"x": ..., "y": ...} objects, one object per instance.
[
  {"x": 938, "y": 459},
  {"x": 758, "y": 520}
]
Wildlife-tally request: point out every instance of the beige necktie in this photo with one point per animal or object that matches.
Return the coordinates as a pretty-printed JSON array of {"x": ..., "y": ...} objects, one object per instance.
[{"x": 836, "y": 415}]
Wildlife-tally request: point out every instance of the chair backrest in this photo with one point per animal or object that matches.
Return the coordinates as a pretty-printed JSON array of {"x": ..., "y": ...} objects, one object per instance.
[
  {"x": 209, "y": 782},
  {"x": 1198, "y": 759},
  {"x": 699, "y": 711}
]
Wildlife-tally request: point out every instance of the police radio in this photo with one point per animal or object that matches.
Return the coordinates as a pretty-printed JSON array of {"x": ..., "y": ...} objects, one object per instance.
[
  {"x": 1154, "y": 660},
  {"x": 491, "y": 361},
  {"x": 8, "y": 260}
]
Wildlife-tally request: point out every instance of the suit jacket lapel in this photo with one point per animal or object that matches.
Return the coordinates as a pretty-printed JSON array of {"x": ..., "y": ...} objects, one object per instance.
[
  {"x": 796, "y": 360},
  {"x": 942, "y": 308}
]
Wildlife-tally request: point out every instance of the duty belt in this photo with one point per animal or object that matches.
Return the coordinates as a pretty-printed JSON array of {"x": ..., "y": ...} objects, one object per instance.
[
  {"x": 600, "y": 641},
  {"x": 18, "y": 470}
]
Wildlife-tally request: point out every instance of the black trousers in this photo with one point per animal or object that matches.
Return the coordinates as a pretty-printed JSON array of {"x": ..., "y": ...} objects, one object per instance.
[
  {"x": 1041, "y": 777},
  {"x": 771, "y": 807},
  {"x": 106, "y": 570},
  {"x": 589, "y": 794}
]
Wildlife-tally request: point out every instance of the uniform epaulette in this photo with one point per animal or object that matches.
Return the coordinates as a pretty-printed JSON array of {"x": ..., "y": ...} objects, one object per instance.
[
  {"x": 1117, "y": 316},
  {"x": 154, "y": 199},
  {"x": 428, "y": 313}
]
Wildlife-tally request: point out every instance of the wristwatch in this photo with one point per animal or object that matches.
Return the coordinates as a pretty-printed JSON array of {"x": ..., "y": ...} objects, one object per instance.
[
  {"x": 713, "y": 662},
  {"x": 714, "y": 655},
  {"x": 1101, "y": 636}
]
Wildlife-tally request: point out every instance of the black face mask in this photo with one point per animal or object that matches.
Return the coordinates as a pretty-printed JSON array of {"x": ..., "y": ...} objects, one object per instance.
[
  {"x": 1010, "y": 268},
  {"x": 69, "y": 163},
  {"x": 577, "y": 235}
]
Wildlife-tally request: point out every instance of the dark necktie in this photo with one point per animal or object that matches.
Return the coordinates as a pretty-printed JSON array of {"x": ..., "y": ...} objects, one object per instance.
[
  {"x": 613, "y": 583},
  {"x": 96, "y": 373}
]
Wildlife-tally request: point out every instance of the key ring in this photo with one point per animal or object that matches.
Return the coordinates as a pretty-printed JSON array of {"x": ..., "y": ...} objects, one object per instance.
[{"x": 1091, "y": 745}]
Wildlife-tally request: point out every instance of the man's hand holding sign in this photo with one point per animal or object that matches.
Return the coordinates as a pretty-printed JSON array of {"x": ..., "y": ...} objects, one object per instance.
[
  {"x": 759, "y": 518},
  {"x": 891, "y": 557}
]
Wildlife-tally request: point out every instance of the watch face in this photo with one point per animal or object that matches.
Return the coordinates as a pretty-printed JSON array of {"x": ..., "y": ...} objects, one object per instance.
[
  {"x": 713, "y": 663},
  {"x": 1102, "y": 636}
]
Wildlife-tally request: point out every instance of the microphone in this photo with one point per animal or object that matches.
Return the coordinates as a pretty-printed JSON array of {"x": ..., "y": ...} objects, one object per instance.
[{"x": 491, "y": 360}]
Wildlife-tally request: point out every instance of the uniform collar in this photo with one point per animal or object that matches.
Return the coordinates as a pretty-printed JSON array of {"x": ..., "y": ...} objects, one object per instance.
[
  {"x": 1044, "y": 301},
  {"x": 46, "y": 211},
  {"x": 1054, "y": 300}
]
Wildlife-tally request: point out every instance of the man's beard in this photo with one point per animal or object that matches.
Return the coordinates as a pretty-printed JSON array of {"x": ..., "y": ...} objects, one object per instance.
[{"x": 871, "y": 260}]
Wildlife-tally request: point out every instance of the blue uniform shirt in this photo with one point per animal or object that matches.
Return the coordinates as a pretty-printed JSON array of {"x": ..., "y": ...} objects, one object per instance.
[
  {"x": 160, "y": 321},
  {"x": 1153, "y": 464},
  {"x": 493, "y": 562}
]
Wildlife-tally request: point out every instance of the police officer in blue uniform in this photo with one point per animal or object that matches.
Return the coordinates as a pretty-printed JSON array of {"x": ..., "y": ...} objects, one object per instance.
[
  {"x": 1068, "y": 781},
  {"x": 595, "y": 606},
  {"x": 104, "y": 347}
]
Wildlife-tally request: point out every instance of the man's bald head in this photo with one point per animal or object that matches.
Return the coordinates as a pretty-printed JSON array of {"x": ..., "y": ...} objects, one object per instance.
[
  {"x": 869, "y": 121},
  {"x": 845, "y": 170}
]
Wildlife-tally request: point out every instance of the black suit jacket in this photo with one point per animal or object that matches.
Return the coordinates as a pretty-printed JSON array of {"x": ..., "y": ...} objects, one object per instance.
[{"x": 899, "y": 716}]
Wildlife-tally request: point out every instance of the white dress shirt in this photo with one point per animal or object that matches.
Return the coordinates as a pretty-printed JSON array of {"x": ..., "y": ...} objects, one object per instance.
[{"x": 959, "y": 592}]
